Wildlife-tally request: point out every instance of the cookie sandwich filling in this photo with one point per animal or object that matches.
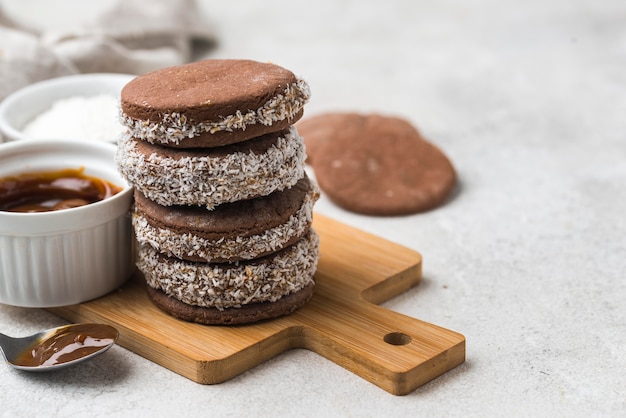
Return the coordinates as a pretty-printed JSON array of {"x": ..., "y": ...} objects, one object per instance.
[
  {"x": 210, "y": 181},
  {"x": 191, "y": 245},
  {"x": 223, "y": 286},
  {"x": 174, "y": 127}
]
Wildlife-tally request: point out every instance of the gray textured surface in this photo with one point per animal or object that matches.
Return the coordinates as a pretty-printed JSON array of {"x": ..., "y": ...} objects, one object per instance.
[{"x": 527, "y": 261}]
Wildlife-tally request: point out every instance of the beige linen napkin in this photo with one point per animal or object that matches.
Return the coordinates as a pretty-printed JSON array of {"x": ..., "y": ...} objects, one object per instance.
[{"x": 135, "y": 36}]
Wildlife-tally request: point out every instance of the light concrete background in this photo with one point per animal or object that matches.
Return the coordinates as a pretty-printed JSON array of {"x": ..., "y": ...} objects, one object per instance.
[{"x": 528, "y": 99}]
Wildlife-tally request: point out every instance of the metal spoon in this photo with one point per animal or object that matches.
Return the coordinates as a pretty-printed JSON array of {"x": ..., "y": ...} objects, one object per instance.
[{"x": 57, "y": 347}]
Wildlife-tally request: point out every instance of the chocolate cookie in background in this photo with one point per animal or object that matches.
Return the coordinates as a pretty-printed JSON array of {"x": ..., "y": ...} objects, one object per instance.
[
  {"x": 375, "y": 164},
  {"x": 223, "y": 208}
]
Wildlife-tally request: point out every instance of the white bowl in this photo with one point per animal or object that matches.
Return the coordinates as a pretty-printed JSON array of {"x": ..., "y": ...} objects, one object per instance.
[
  {"x": 67, "y": 256},
  {"x": 22, "y": 106}
]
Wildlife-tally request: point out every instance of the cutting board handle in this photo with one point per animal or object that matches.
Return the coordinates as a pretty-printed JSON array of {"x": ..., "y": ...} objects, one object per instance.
[{"x": 396, "y": 352}]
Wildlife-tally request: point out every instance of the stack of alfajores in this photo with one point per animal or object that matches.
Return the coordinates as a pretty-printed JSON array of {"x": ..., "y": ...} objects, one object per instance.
[{"x": 223, "y": 206}]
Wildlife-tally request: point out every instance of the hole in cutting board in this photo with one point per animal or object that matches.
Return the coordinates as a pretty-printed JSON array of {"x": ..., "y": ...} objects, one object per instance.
[{"x": 397, "y": 338}]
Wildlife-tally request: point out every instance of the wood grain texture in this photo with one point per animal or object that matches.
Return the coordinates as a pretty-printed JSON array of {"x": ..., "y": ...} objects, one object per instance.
[{"x": 342, "y": 322}]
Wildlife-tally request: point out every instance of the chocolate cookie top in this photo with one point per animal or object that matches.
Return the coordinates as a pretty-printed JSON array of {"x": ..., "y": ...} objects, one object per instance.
[
  {"x": 376, "y": 165},
  {"x": 212, "y": 102},
  {"x": 241, "y": 218}
]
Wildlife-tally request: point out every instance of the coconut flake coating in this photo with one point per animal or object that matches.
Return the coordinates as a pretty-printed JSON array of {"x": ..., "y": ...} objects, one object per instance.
[
  {"x": 189, "y": 245},
  {"x": 233, "y": 285},
  {"x": 212, "y": 180}
]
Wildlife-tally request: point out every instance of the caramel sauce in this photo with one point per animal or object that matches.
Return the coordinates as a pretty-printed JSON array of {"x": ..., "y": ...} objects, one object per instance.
[
  {"x": 53, "y": 190},
  {"x": 71, "y": 343}
]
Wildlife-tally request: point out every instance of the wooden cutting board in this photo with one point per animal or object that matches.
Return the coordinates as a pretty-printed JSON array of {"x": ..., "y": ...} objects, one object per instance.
[{"x": 342, "y": 321}]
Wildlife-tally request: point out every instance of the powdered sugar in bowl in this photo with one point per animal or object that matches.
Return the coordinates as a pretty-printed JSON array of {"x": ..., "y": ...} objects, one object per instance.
[
  {"x": 66, "y": 256},
  {"x": 83, "y": 107}
]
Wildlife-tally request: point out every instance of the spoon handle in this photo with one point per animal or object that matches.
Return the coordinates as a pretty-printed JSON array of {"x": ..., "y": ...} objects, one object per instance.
[{"x": 7, "y": 346}]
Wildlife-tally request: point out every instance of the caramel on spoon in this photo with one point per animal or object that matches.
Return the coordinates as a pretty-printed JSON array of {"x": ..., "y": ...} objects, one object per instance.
[{"x": 57, "y": 347}]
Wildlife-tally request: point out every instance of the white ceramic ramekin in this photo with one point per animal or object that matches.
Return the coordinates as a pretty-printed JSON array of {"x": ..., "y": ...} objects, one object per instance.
[
  {"x": 68, "y": 256},
  {"x": 23, "y": 105}
]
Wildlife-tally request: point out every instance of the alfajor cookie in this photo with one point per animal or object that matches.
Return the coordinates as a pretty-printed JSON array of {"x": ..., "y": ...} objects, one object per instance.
[
  {"x": 246, "y": 314},
  {"x": 213, "y": 176},
  {"x": 375, "y": 164},
  {"x": 236, "y": 231},
  {"x": 212, "y": 103},
  {"x": 231, "y": 286}
]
